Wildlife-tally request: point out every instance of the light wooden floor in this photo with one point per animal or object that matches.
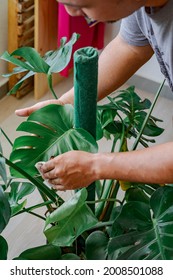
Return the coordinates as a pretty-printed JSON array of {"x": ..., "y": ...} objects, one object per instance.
[{"x": 26, "y": 231}]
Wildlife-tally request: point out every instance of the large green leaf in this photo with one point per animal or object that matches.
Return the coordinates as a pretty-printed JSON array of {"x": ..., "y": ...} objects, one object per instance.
[
  {"x": 71, "y": 219},
  {"x": 3, "y": 248},
  {"x": 18, "y": 191},
  {"x": 149, "y": 230},
  {"x": 5, "y": 211},
  {"x": 44, "y": 252},
  {"x": 51, "y": 133}
]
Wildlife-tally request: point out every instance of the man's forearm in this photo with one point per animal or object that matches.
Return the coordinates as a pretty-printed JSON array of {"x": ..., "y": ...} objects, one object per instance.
[
  {"x": 117, "y": 63},
  {"x": 150, "y": 165}
]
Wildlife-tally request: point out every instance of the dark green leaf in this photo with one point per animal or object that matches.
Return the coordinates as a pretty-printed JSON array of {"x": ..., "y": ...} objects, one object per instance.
[
  {"x": 5, "y": 212},
  {"x": 136, "y": 194},
  {"x": 3, "y": 248},
  {"x": 45, "y": 252},
  {"x": 146, "y": 237},
  {"x": 70, "y": 256},
  {"x": 96, "y": 246}
]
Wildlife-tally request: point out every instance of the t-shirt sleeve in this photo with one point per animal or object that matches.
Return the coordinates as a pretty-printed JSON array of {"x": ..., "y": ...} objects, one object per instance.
[{"x": 130, "y": 31}]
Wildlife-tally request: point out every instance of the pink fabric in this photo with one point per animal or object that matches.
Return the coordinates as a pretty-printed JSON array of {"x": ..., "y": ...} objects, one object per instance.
[{"x": 89, "y": 36}]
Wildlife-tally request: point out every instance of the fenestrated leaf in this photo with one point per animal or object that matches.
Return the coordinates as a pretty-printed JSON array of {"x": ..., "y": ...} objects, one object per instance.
[
  {"x": 3, "y": 248},
  {"x": 96, "y": 246},
  {"x": 51, "y": 133},
  {"x": 71, "y": 219},
  {"x": 44, "y": 252},
  {"x": 60, "y": 59},
  {"x": 148, "y": 238},
  {"x": 5, "y": 211},
  {"x": 18, "y": 191},
  {"x": 20, "y": 82},
  {"x": 33, "y": 58},
  {"x": 10, "y": 58}
]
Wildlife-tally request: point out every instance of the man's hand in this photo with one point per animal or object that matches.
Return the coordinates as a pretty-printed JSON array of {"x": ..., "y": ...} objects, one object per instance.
[
  {"x": 27, "y": 111},
  {"x": 71, "y": 170}
]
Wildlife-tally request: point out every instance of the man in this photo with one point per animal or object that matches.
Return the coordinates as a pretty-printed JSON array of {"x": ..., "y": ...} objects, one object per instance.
[{"x": 147, "y": 27}]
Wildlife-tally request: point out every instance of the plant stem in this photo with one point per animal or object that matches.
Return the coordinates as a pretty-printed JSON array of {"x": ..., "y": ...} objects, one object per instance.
[
  {"x": 29, "y": 209},
  {"x": 104, "y": 200},
  {"x": 5, "y": 135},
  {"x": 49, "y": 79},
  {"x": 37, "y": 215},
  {"x": 102, "y": 224},
  {"x": 148, "y": 115}
]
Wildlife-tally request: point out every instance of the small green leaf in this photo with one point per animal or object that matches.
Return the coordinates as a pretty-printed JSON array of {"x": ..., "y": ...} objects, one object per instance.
[
  {"x": 44, "y": 252},
  {"x": 20, "y": 82},
  {"x": 96, "y": 246},
  {"x": 3, "y": 248},
  {"x": 18, "y": 191},
  {"x": 3, "y": 173},
  {"x": 33, "y": 58},
  {"x": 60, "y": 59},
  {"x": 5, "y": 212},
  {"x": 7, "y": 57}
]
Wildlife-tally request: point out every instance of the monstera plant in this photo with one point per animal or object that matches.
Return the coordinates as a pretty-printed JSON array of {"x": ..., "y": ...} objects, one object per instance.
[{"x": 128, "y": 221}]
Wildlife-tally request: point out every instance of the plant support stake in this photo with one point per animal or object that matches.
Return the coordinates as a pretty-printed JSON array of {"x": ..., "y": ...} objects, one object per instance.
[{"x": 85, "y": 96}]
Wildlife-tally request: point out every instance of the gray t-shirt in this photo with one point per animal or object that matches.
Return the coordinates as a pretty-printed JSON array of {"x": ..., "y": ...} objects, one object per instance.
[{"x": 154, "y": 28}]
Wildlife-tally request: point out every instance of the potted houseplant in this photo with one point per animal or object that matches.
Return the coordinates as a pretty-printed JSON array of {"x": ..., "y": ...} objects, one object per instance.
[{"x": 134, "y": 225}]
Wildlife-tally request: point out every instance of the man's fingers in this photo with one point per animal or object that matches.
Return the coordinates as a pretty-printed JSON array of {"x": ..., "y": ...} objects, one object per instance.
[{"x": 24, "y": 112}]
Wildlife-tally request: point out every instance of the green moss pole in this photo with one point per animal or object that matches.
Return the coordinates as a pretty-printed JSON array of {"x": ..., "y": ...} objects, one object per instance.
[{"x": 85, "y": 95}]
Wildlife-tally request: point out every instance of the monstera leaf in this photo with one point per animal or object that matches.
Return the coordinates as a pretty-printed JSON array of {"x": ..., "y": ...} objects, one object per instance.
[
  {"x": 30, "y": 60},
  {"x": 51, "y": 133},
  {"x": 149, "y": 229},
  {"x": 133, "y": 113},
  {"x": 70, "y": 220}
]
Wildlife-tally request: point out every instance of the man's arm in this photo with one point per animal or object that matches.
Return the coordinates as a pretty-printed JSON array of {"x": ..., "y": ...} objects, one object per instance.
[
  {"x": 117, "y": 63},
  {"x": 150, "y": 165}
]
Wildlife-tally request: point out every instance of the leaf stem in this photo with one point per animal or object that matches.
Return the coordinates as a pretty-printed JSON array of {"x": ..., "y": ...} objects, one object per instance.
[
  {"x": 29, "y": 209},
  {"x": 5, "y": 135},
  {"x": 148, "y": 115},
  {"x": 49, "y": 79}
]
